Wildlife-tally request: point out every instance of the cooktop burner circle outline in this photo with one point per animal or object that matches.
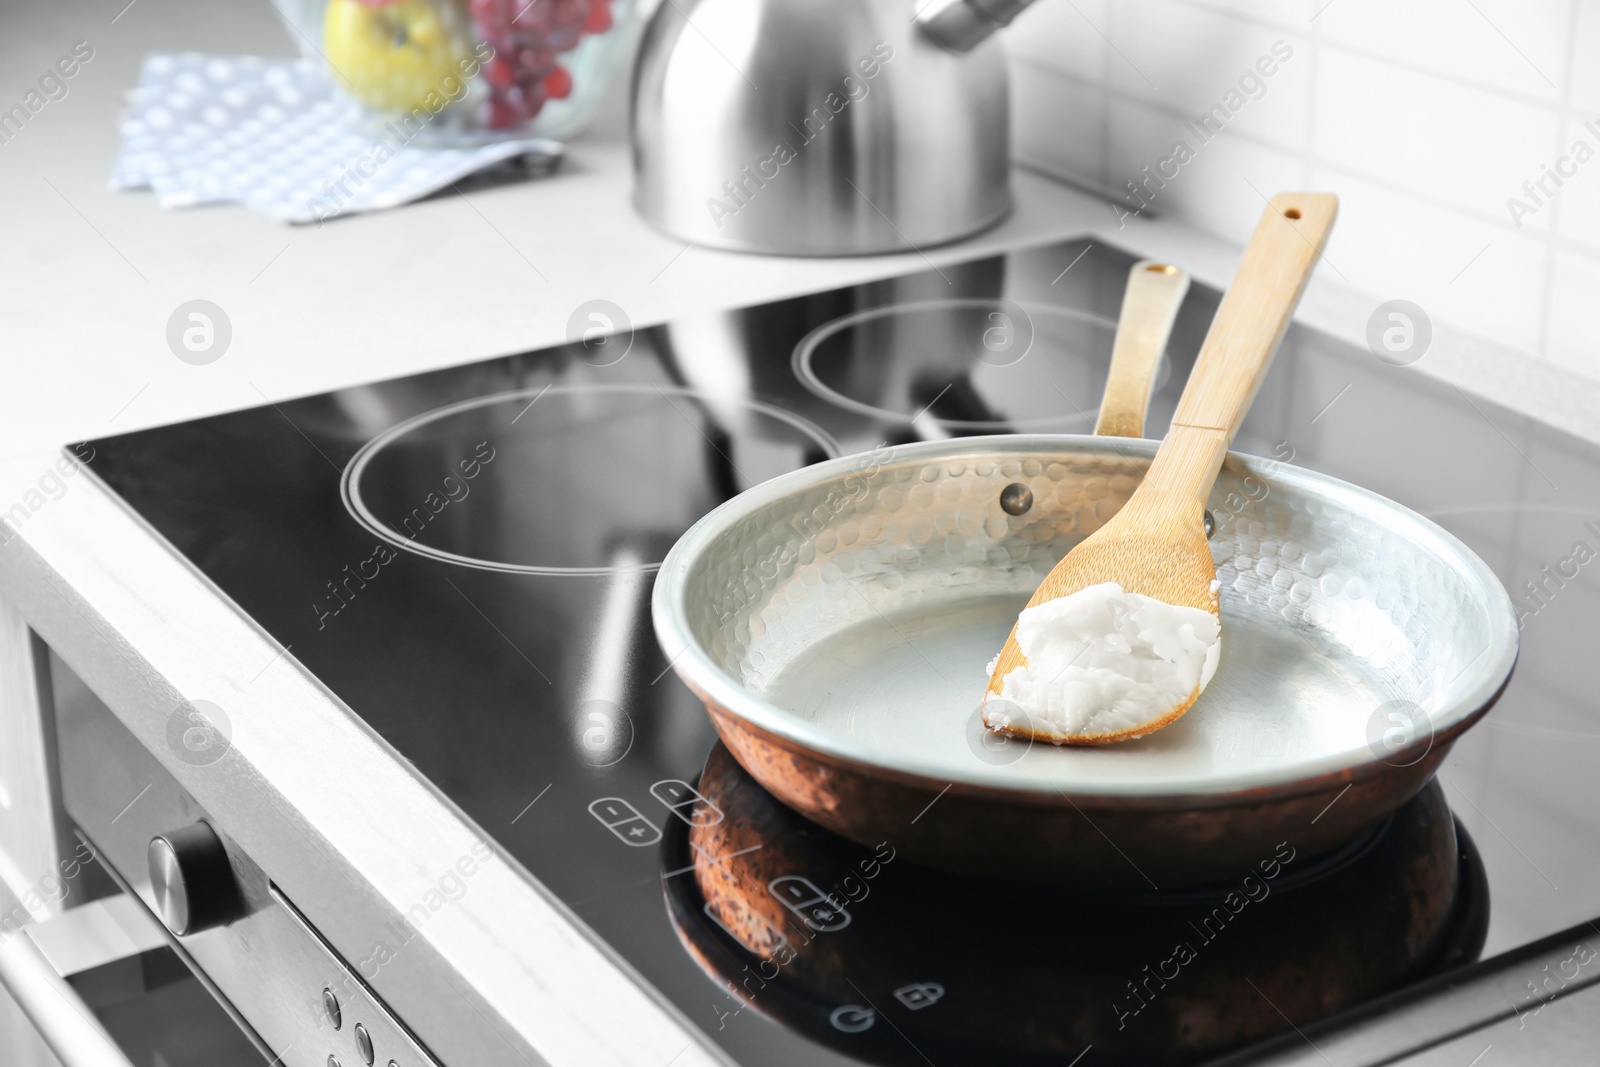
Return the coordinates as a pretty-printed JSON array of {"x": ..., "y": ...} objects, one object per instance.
[
  {"x": 806, "y": 347},
  {"x": 350, "y": 478}
]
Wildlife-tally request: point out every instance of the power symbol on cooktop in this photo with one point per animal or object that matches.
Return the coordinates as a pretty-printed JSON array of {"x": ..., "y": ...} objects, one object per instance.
[{"x": 852, "y": 1018}]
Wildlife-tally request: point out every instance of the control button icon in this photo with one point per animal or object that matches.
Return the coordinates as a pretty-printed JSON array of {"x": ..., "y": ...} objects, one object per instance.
[
  {"x": 852, "y": 1018},
  {"x": 816, "y": 909},
  {"x": 746, "y": 927},
  {"x": 919, "y": 995},
  {"x": 685, "y": 801},
  {"x": 624, "y": 820},
  {"x": 330, "y": 1008}
]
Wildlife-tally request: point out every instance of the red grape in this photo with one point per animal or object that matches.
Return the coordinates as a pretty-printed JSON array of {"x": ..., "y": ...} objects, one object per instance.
[{"x": 527, "y": 37}]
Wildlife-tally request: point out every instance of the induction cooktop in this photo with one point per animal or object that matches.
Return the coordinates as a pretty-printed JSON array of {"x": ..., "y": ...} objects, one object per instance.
[{"x": 465, "y": 558}]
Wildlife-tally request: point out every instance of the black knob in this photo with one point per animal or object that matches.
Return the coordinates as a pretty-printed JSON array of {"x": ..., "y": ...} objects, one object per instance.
[{"x": 192, "y": 880}]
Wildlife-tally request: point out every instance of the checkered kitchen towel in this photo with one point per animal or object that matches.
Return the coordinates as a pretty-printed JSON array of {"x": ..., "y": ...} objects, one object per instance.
[{"x": 279, "y": 137}]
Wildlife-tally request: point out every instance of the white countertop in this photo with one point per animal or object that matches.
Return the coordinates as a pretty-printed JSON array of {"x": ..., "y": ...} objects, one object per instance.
[{"x": 88, "y": 277}]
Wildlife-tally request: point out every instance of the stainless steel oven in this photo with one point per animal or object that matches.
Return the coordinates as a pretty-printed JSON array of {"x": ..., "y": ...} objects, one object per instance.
[{"x": 177, "y": 871}]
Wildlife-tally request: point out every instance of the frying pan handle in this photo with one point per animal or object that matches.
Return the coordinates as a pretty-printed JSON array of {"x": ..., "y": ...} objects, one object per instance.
[
  {"x": 1244, "y": 336},
  {"x": 1149, "y": 305}
]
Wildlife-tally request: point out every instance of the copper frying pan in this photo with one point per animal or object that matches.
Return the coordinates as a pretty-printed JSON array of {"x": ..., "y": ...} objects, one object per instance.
[{"x": 836, "y": 622}]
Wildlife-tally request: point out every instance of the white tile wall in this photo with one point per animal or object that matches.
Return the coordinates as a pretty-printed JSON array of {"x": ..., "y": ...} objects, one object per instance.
[{"x": 1425, "y": 115}]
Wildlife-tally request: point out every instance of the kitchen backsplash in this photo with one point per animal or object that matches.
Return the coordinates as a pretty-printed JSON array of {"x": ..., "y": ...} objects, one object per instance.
[{"x": 1463, "y": 137}]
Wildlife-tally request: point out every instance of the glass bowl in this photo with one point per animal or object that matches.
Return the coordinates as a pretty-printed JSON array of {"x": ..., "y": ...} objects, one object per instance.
[{"x": 456, "y": 72}]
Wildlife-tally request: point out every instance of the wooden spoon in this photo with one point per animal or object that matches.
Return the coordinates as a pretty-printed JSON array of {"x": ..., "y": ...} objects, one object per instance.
[
  {"x": 1149, "y": 305},
  {"x": 1156, "y": 545}
]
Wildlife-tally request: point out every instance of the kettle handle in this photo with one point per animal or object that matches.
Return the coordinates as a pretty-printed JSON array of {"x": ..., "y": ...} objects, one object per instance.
[{"x": 959, "y": 25}]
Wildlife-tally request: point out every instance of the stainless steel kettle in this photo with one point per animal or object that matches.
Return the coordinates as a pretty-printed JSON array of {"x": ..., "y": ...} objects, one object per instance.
[{"x": 822, "y": 127}]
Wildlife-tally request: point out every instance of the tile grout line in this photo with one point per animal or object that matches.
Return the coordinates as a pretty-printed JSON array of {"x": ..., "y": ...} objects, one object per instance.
[
  {"x": 1547, "y": 291},
  {"x": 1378, "y": 57},
  {"x": 1314, "y": 65},
  {"x": 1104, "y": 74},
  {"x": 1574, "y": 246}
]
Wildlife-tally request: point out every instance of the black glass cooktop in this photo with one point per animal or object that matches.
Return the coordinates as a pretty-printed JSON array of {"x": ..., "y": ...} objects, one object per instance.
[{"x": 465, "y": 557}]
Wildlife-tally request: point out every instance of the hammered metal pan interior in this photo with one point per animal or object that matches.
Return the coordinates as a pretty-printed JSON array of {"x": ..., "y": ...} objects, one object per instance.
[{"x": 837, "y": 622}]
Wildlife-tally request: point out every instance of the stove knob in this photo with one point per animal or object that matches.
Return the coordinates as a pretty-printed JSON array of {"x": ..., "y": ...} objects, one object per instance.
[{"x": 192, "y": 880}]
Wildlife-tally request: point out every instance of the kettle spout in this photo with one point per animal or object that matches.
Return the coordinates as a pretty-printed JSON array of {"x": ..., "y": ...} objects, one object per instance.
[{"x": 958, "y": 25}]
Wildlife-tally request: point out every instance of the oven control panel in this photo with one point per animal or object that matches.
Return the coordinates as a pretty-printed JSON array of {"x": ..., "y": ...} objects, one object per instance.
[
  {"x": 243, "y": 937},
  {"x": 353, "y": 1024}
]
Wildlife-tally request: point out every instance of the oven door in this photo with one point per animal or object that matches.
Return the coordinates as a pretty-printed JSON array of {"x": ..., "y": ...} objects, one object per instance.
[{"x": 100, "y": 986}]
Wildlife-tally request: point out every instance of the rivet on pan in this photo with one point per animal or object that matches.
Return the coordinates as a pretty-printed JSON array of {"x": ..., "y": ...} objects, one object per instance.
[
  {"x": 1211, "y": 525},
  {"x": 1016, "y": 499}
]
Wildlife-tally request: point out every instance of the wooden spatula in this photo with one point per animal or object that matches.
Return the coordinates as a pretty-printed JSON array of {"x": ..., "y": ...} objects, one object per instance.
[{"x": 1156, "y": 545}]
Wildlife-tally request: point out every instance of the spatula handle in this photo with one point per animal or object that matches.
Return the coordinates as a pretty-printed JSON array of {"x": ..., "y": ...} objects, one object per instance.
[
  {"x": 1149, "y": 304},
  {"x": 1249, "y": 325}
]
